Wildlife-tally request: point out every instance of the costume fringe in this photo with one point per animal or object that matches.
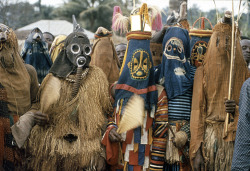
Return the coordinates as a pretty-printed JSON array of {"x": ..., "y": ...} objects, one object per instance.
[
  {"x": 152, "y": 15},
  {"x": 47, "y": 144},
  {"x": 218, "y": 153},
  {"x": 157, "y": 23},
  {"x": 172, "y": 153},
  {"x": 144, "y": 13},
  {"x": 117, "y": 10},
  {"x": 121, "y": 23}
]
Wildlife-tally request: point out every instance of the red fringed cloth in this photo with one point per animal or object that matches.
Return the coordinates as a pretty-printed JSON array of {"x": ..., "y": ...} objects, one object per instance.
[
  {"x": 156, "y": 139},
  {"x": 8, "y": 155}
]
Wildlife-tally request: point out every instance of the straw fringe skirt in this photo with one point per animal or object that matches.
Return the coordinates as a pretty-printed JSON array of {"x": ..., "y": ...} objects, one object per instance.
[{"x": 218, "y": 153}]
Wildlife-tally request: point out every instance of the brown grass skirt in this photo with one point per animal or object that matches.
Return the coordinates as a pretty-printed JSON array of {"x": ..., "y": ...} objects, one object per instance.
[{"x": 218, "y": 153}]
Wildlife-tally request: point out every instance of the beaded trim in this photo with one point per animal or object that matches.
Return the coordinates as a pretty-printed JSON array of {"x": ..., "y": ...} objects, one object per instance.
[{"x": 82, "y": 76}]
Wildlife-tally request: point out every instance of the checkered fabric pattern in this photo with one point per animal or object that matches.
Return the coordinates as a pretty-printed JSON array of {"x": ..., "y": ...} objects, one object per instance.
[{"x": 241, "y": 156}]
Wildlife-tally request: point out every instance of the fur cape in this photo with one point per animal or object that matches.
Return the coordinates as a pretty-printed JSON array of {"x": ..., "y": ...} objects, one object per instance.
[{"x": 83, "y": 117}]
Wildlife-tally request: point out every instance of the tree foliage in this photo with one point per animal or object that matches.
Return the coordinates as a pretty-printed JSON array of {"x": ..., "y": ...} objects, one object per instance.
[
  {"x": 17, "y": 14},
  {"x": 92, "y": 13}
]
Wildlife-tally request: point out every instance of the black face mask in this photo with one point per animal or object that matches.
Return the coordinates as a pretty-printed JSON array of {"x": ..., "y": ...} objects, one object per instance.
[
  {"x": 75, "y": 54},
  {"x": 78, "y": 52}
]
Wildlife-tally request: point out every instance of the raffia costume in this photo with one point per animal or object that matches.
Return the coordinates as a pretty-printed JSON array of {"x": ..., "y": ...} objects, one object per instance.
[
  {"x": 104, "y": 55},
  {"x": 18, "y": 89},
  {"x": 210, "y": 88},
  {"x": 72, "y": 138}
]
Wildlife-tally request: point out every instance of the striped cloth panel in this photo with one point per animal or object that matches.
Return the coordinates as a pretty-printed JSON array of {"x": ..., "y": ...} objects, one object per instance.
[{"x": 179, "y": 108}]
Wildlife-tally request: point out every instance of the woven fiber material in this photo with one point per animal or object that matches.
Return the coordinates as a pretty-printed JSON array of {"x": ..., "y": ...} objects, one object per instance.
[
  {"x": 48, "y": 145},
  {"x": 104, "y": 56},
  {"x": 12, "y": 77},
  {"x": 211, "y": 85}
]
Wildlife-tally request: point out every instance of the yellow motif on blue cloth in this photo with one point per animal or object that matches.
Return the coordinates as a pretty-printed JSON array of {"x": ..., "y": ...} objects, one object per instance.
[
  {"x": 140, "y": 65},
  {"x": 198, "y": 52}
]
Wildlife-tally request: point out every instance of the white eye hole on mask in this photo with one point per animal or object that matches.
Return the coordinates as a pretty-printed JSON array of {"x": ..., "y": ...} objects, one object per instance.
[
  {"x": 179, "y": 49},
  {"x": 75, "y": 48},
  {"x": 169, "y": 48},
  {"x": 87, "y": 50}
]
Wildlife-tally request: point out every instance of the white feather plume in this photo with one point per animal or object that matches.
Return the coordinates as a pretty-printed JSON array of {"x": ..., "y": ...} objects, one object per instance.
[{"x": 133, "y": 114}]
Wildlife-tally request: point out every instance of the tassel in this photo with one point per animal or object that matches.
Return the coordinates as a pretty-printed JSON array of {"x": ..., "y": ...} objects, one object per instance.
[
  {"x": 144, "y": 13},
  {"x": 119, "y": 22},
  {"x": 157, "y": 23},
  {"x": 117, "y": 9}
]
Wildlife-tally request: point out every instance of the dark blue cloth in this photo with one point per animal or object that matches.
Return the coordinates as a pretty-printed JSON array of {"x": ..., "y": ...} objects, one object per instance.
[
  {"x": 175, "y": 67},
  {"x": 141, "y": 154},
  {"x": 241, "y": 156},
  {"x": 36, "y": 54},
  {"x": 130, "y": 167},
  {"x": 179, "y": 108},
  {"x": 137, "y": 135},
  {"x": 157, "y": 72},
  {"x": 138, "y": 73},
  {"x": 173, "y": 167}
]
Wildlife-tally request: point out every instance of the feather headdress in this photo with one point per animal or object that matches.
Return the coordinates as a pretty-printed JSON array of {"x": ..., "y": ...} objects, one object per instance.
[{"x": 150, "y": 15}]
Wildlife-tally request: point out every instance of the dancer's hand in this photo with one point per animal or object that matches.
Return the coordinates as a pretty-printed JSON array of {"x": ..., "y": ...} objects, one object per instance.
[
  {"x": 230, "y": 106},
  {"x": 40, "y": 118},
  {"x": 114, "y": 136}
]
